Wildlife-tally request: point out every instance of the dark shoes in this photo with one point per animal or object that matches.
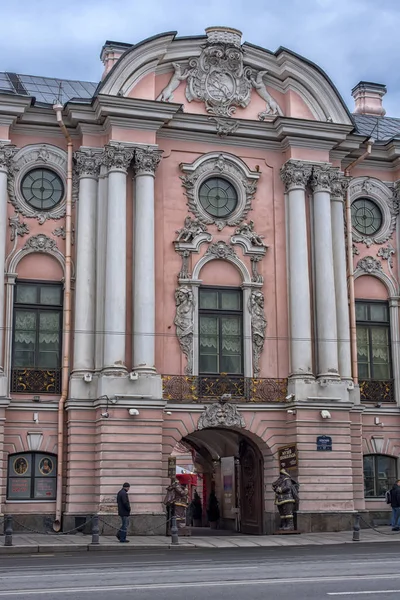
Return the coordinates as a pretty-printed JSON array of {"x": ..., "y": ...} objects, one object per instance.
[
  {"x": 124, "y": 541},
  {"x": 395, "y": 528}
]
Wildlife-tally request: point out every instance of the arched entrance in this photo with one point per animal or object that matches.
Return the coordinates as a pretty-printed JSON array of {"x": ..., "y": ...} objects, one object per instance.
[{"x": 229, "y": 464}]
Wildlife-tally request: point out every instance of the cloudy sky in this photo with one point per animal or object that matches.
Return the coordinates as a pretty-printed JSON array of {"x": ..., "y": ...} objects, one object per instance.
[{"x": 351, "y": 40}]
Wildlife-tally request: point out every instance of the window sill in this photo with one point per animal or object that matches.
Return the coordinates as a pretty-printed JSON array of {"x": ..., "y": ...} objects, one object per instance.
[{"x": 30, "y": 501}]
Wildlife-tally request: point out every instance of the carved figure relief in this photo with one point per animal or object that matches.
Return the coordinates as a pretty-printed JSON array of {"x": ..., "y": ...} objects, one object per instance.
[
  {"x": 221, "y": 415},
  {"x": 272, "y": 107},
  {"x": 369, "y": 264},
  {"x": 191, "y": 228},
  {"x": 247, "y": 230},
  {"x": 184, "y": 323},
  {"x": 40, "y": 243},
  {"x": 220, "y": 250},
  {"x": 258, "y": 327},
  {"x": 167, "y": 93}
]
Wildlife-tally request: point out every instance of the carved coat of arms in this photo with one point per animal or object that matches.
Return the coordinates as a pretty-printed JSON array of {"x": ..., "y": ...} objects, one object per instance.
[{"x": 219, "y": 79}]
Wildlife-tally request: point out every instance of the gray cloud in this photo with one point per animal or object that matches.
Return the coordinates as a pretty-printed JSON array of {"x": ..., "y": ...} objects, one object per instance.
[{"x": 351, "y": 40}]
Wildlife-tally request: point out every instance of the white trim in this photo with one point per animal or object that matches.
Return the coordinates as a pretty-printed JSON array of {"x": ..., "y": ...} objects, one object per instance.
[
  {"x": 246, "y": 278},
  {"x": 378, "y": 192}
]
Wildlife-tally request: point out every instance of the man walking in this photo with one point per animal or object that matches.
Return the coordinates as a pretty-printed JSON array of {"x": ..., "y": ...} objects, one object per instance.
[
  {"x": 124, "y": 510},
  {"x": 395, "y": 502}
]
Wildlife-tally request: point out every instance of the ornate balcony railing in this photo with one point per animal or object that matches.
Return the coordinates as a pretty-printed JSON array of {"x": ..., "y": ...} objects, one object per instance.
[
  {"x": 373, "y": 390},
  {"x": 36, "y": 381},
  {"x": 182, "y": 388}
]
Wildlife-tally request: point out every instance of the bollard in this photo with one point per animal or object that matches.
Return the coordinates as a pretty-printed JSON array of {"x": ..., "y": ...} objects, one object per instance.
[
  {"x": 95, "y": 529},
  {"x": 174, "y": 531},
  {"x": 8, "y": 531},
  {"x": 356, "y": 528}
]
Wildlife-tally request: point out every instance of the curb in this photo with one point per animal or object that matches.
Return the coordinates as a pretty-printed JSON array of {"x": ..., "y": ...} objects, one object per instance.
[{"x": 44, "y": 549}]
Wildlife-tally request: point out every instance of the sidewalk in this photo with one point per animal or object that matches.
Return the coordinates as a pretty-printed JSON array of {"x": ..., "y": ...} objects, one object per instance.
[{"x": 52, "y": 543}]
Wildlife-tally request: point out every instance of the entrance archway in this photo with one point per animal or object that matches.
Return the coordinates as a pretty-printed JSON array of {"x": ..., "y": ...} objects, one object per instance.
[{"x": 230, "y": 464}]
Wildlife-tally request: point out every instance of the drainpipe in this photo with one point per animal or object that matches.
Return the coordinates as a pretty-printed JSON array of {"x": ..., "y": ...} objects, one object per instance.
[
  {"x": 352, "y": 303},
  {"x": 66, "y": 321}
]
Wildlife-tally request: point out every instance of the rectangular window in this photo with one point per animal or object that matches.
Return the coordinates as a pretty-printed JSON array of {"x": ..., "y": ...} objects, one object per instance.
[
  {"x": 373, "y": 341},
  {"x": 31, "y": 476},
  {"x": 36, "y": 359},
  {"x": 380, "y": 473},
  {"x": 220, "y": 331}
]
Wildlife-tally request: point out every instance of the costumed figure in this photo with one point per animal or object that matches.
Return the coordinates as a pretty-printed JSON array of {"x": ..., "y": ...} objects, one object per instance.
[
  {"x": 176, "y": 499},
  {"x": 286, "y": 499}
]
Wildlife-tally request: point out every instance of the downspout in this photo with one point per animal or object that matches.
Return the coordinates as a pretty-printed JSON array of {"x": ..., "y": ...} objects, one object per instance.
[
  {"x": 352, "y": 303},
  {"x": 66, "y": 322}
]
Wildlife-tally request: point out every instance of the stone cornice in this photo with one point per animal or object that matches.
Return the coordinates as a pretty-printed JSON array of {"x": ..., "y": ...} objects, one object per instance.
[{"x": 295, "y": 174}]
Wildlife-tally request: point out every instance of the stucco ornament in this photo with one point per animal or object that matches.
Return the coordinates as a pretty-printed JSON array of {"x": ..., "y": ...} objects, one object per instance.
[
  {"x": 167, "y": 95},
  {"x": 369, "y": 264},
  {"x": 258, "y": 327},
  {"x": 7, "y": 152},
  {"x": 247, "y": 231},
  {"x": 295, "y": 174},
  {"x": 17, "y": 227},
  {"x": 34, "y": 157},
  {"x": 40, "y": 243},
  {"x": 184, "y": 323},
  {"x": 60, "y": 232},
  {"x": 386, "y": 199},
  {"x": 221, "y": 414},
  {"x": 190, "y": 229},
  {"x": 323, "y": 178},
  {"x": 118, "y": 156},
  {"x": 220, "y": 250},
  {"x": 233, "y": 170},
  {"x": 272, "y": 107}
]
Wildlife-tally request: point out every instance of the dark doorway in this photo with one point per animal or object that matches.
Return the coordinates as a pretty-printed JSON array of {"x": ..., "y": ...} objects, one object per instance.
[{"x": 251, "y": 488}]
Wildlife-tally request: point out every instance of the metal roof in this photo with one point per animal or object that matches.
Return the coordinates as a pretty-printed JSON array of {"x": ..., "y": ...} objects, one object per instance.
[
  {"x": 382, "y": 129},
  {"x": 46, "y": 90}
]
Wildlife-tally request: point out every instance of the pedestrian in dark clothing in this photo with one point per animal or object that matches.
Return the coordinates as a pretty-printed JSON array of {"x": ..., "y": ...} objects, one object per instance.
[
  {"x": 395, "y": 503},
  {"x": 124, "y": 510}
]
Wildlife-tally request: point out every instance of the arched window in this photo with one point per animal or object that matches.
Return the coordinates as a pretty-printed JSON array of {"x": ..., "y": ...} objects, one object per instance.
[
  {"x": 31, "y": 476},
  {"x": 380, "y": 473}
]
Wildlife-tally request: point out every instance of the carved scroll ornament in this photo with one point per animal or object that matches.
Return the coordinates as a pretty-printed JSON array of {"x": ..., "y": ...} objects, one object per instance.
[{"x": 221, "y": 415}]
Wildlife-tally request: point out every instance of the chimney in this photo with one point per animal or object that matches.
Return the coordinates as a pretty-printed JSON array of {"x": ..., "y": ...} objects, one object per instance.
[
  {"x": 368, "y": 98},
  {"x": 111, "y": 53}
]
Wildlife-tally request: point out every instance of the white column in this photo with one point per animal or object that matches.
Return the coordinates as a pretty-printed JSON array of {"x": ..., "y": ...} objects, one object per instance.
[
  {"x": 144, "y": 300},
  {"x": 101, "y": 253},
  {"x": 295, "y": 175},
  {"x": 394, "y": 303},
  {"x": 87, "y": 166},
  {"x": 340, "y": 271},
  {"x": 324, "y": 273},
  {"x": 118, "y": 158},
  {"x": 7, "y": 152}
]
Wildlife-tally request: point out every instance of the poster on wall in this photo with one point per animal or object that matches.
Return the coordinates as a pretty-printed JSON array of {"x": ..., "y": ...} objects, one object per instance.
[
  {"x": 288, "y": 457},
  {"x": 19, "y": 488},
  {"x": 45, "y": 488},
  {"x": 228, "y": 487},
  {"x": 172, "y": 467}
]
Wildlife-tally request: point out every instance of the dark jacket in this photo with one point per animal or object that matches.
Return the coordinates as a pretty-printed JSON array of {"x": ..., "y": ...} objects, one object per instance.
[
  {"x": 395, "y": 496},
  {"x": 124, "y": 506}
]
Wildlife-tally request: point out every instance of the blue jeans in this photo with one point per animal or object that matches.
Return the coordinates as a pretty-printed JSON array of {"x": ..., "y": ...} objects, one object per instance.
[
  {"x": 124, "y": 528},
  {"x": 396, "y": 517}
]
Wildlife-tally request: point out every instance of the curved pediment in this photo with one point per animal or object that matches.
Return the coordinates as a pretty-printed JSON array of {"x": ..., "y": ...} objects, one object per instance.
[{"x": 217, "y": 75}]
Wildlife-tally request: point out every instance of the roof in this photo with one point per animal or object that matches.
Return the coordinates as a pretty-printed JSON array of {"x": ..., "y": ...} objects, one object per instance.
[
  {"x": 46, "y": 90},
  {"x": 382, "y": 129}
]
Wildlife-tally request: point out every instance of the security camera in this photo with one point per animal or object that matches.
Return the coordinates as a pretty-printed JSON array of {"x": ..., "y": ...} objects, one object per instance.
[
  {"x": 325, "y": 414},
  {"x": 133, "y": 412},
  {"x": 105, "y": 415},
  {"x": 289, "y": 397}
]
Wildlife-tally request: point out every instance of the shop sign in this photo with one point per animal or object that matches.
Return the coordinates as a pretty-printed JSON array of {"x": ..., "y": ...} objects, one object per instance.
[
  {"x": 172, "y": 467},
  {"x": 324, "y": 443},
  {"x": 288, "y": 457}
]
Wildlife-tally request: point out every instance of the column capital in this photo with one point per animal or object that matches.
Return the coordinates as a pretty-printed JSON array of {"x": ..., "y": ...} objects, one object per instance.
[
  {"x": 295, "y": 174},
  {"x": 88, "y": 162},
  {"x": 7, "y": 152},
  {"x": 146, "y": 161},
  {"x": 322, "y": 177},
  {"x": 118, "y": 157},
  {"x": 339, "y": 187}
]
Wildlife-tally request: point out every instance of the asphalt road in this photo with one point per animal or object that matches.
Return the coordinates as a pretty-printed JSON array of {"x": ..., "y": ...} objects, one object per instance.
[{"x": 326, "y": 572}]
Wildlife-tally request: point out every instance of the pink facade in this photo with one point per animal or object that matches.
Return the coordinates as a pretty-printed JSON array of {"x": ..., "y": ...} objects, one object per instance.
[{"x": 209, "y": 286}]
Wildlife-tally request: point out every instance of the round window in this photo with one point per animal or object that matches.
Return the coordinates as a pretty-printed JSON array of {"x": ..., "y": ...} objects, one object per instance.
[
  {"x": 42, "y": 189},
  {"x": 366, "y": 216},
  {"x": 218, "y": 197}
]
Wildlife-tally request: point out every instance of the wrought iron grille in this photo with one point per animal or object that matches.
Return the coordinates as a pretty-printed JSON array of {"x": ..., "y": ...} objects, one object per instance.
[
  {"x": 374, "y": 390},
  {"x": 182, "y": 388},
  {"x": 40, "y": 381}
]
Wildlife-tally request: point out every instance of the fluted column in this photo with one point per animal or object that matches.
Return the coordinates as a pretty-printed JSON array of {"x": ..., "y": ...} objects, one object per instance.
[
  {"x": 321, "y": 179},
  {"x": 339, "y": 187},
  {"x": 295, "y": 175},
  {"x": 117, "y": 158},
  {"x": 144, "y": 301},
  {"x": 7, "y": 152},
  {"x": 87, "y": 164}
]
